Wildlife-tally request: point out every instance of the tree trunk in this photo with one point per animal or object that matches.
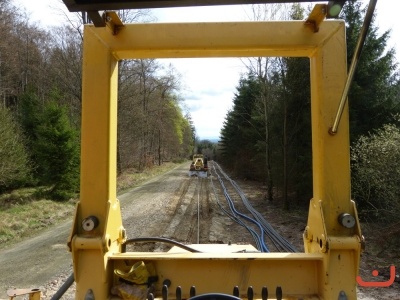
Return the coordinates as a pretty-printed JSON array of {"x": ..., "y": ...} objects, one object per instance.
[
  {"x": 159, "y": 147},
  {"x": 286, "y": 204}
]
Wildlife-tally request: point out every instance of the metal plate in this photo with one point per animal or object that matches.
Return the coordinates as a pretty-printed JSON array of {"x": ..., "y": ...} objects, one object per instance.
[{"x": 97, "y": 5}]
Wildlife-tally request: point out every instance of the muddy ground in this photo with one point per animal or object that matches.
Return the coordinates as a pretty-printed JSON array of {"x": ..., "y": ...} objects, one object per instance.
[{"x": 168, "y": 206}]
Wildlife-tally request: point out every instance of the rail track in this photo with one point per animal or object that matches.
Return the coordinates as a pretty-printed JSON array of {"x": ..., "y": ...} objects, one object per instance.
[{"x": 192, "y": 214}]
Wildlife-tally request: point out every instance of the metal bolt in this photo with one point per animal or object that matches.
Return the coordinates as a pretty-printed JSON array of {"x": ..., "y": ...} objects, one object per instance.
[
  {"x": 89, "y": 295},
  {"x": 342, "y": 296},
  {"x": 90, "y": 223},
  {"x": 347, "y": 220}
]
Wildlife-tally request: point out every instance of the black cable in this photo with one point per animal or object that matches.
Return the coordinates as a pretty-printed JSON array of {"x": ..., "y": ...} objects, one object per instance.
[
  {"x": 160, "y": 240},
  {"x": 235, "y": 218},
  {"x": 258, "y": 237},
  {"x": 278, "y": 240},
  {"x": 66, "y": 285}
]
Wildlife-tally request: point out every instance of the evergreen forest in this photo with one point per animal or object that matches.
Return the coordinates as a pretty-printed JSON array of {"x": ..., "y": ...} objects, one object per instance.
[{"x": 267, "y": 134}]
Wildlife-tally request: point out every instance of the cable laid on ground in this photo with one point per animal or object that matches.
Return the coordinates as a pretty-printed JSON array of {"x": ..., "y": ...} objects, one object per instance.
[
  {"x": 279, "y": 241},
  {"x": 236, "y": 219},
  {"x": 259, "y": 238}
]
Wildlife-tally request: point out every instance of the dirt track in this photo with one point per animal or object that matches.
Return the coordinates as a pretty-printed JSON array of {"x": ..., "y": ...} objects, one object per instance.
[
  {"x": 169, "y": 206},
  {"x": 166, "y": 206}
]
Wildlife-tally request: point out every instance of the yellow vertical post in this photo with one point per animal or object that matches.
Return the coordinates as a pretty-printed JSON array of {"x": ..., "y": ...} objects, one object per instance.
[
  {"x": 98, "y": 222},
  {"x": 99, "y": 126},
  {"x": 331, "y": 173},
  {"x": 331, "y": 154}
]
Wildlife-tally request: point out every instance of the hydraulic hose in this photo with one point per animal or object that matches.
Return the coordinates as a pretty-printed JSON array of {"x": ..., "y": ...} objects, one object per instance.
[
  {"x": 66, "y": 285},
  {"x": 160, "y": 240}
]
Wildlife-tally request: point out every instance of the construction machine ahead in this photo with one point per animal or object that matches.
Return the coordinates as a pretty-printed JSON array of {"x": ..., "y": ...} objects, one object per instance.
[
  {"x": 199, "y": 166},
  {"x": 332, "y": 237}
]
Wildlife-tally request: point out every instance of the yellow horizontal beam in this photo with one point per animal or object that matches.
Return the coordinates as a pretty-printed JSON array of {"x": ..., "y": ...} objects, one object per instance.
[
  {"x": 230, "y": 39},
  {"x": 296, "y": 273},
  {"x": 217, "y": 256}
]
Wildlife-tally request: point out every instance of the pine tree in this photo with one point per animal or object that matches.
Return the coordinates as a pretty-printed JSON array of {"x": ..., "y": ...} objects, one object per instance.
[
  {"x": 53, "y": 144},
  {"x": 14, "y": 160},
  {"x": 57, "y": 152},
  {"x": 372, "y": 96},
  {"x": 240, "y": 132},
  {"x": 295, "y": 129}
]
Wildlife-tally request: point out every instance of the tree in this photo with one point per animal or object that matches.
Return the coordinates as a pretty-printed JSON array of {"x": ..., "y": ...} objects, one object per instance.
[
  {"x": 57, "y": 152},
  {"x": 64, "y": 70},
  {"x": 14, "y": 160},
  {"x": 173, "y": 131},
  {"x": 372, "y": 96},
  {"x": 151, "y": 125},
  {"x": 34, "y": 63},
  {"x": 188, "y": 136},
  {"x": 206, "y": 147},
  {"x": 53, "y": 143},
  {"x": 376, "y": 173},
  {"x": 280, "y": 116},
  {"x": 263, "y": 68},
  {"x": 294, "y": 94},
  {"x": 293, "y": 80},
  {"x": 239, "y": 132},
  {"x": 191, "y": 132},
  {"x": 29, "y": 114},
  {"x": 260, "y": 68}
]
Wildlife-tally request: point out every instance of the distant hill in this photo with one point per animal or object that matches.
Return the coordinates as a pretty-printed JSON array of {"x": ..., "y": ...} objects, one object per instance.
[{"x": 212, "y": 140}]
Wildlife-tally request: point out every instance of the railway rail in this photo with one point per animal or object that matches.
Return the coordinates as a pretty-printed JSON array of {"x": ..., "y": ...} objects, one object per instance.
[{"x": 190, "y": 220}]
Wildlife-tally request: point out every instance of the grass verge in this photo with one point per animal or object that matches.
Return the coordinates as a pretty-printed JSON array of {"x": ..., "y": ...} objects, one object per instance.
[
  {"x": 23, "y": 215},
  {"x": 133, "y": 178}
]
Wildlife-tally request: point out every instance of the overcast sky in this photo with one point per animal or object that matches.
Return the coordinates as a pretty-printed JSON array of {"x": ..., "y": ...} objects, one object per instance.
[{"x": 209, "y": 84}]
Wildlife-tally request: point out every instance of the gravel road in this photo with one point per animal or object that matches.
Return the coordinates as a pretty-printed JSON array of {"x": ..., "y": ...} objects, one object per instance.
[{"x": 166, "y": 206}]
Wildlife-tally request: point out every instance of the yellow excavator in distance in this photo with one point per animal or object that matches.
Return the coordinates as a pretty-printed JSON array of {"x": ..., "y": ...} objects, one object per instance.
[{"x": 199, "y": 166}]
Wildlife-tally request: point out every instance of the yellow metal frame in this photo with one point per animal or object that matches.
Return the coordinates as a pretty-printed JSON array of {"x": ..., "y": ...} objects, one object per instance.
[
  {"x": 329, "y": 265},
  {"x": 32, "y": 294}
]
